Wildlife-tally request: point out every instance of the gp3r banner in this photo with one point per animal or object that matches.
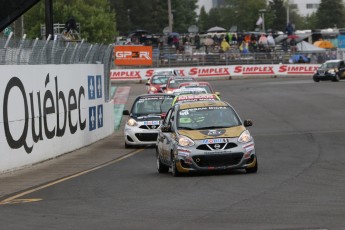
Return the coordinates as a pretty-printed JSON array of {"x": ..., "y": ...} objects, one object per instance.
[{"x": 133, "y": 55}]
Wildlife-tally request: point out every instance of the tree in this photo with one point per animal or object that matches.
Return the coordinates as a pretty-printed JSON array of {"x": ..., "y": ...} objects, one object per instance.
[
  {"x": 203, "y": 20},
  {"x": 278, "y": 15},
  {"x": 331, "y": 13},
  {"x": 247, "y": 12},
  {"x": 96, "y": 19}
]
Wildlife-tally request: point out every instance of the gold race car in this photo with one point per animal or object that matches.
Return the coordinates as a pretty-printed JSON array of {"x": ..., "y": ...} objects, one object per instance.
[{"x": 204, "y": 136}]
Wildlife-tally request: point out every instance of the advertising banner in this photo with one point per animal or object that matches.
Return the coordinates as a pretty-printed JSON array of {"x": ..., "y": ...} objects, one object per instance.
[
  {"x": 220, "y": 71},
  {"x": 48, "y": 110},
  {"x": 133, "y": 55}
]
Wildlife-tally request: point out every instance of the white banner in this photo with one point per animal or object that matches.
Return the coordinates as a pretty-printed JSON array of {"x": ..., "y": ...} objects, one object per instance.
[
  {"x": 220, "y": 71},
  {"x": 48, "y": 110}
]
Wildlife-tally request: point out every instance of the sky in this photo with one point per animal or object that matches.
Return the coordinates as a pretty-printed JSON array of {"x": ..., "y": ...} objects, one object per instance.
[{"x": 206, "y": 3}]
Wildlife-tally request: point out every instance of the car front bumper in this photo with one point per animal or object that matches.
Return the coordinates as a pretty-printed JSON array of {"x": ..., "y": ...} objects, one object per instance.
[{"x": 193, "y": 159}]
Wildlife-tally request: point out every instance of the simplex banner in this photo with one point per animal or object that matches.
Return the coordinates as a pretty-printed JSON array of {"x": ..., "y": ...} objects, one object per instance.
[{"x": 220, "y": 71}]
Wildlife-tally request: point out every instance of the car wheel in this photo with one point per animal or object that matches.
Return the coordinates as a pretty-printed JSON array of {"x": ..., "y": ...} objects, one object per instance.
[
  {"x": 162, "y": 168},
  {"x": 316, "y": 79},
  {"x": 253, "y": 169},
  {"x": 174, "y": 169},
  {"x": 336, "y": 77},
  {"x": 127, "y": 146}
]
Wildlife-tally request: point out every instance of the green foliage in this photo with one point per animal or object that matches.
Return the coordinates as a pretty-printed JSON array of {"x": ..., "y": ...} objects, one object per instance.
[
  {"x": 152, "y": 15},
  {"x": 330, "y": 13},
  {"x": 96, "y": 18}
]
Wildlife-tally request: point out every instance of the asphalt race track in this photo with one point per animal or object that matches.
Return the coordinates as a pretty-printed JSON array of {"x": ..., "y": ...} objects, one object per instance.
[{"x": 299, "y": 131}]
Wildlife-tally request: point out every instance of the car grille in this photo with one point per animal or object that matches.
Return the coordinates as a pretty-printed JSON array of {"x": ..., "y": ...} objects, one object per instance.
[
  {"x": 216, "y": 146},
  {"x": 218, "y": 160},
  {"x": 149, "y": 126},
  {"x": 147, "y": 136}
]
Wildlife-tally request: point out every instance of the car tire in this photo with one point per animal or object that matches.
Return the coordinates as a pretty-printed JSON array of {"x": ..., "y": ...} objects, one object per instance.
[
  {"x": 316, "y": 79},
  {"x": 253, "y": 169},
  {"x": 162, "y": 168},
  {"x": 127, "y": 146},
  {"x": 336, "y": 78},
  {"x": 174, "y": 170}
]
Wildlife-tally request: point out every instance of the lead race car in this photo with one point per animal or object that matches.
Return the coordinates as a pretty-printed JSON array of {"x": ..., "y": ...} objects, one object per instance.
[
  {"x": 141, "y": 128},
  {"x": 204, "y": 136}
]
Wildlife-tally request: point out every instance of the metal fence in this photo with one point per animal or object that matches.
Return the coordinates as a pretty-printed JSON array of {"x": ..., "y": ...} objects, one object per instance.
[
  {"x": 166, "y": 56},
  {"x": 36, "y": 52}
]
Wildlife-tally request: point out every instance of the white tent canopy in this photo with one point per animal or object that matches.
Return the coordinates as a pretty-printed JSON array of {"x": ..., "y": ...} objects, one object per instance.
[{"x": 306, "y": 47}]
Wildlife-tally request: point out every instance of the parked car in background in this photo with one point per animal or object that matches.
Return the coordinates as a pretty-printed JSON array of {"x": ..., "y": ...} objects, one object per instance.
[
  {"x": 145, "y": 118},
  {"x": 204, "y": 136},
  {"x": 333, "y": 70},
  {"x": 156, "y": 82},
  {"x": 174, "y": 82}
]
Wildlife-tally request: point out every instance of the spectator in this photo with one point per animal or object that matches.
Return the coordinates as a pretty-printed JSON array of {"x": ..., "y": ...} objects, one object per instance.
[
  {"x": 293, "y": 46},
  {"x": 270, "y": 41},
  {"x": 225, "y": 47},
  {"x": 70, "y": 24},
  {"x": 289, "y": 29},
  {"x": 197, "y": 41},
  {"x": 176, "y": 42},
  {"x": 188, "y": 50}
]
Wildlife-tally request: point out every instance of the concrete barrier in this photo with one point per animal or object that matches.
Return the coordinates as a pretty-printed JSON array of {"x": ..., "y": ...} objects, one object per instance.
[{"x": 49, "y": 110}]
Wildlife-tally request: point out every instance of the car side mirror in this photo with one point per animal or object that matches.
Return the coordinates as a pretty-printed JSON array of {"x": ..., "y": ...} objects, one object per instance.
[
  {"x": 125, "y": 112},
  {"x": 217, "y": 93},
  {"x": 166, "y": 128},
  {"x": 247, "y": 123},
  {"x": 147, "y": 83}
]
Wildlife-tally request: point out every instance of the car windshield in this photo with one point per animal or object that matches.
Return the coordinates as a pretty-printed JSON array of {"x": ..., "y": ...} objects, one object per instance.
[
  {"x": 329, "y": 65},
  {"x": 206, "y": 87},
  {"x": 153, "y": 105},
  {"x": 209, "y": 117},
  {"x": 174, "y": 83},
  {"x": 159, "y": 79}
]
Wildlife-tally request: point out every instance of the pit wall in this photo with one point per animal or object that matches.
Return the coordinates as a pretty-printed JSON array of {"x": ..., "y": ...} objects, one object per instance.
[
  {"x": 49, "y": 110},
  {"x": 233, "y": 71}
]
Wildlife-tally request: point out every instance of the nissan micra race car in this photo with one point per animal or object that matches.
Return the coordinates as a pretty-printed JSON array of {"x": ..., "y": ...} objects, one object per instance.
[
  {"x": 145, "y": 118},
  {"x": 204, "y": 136}
]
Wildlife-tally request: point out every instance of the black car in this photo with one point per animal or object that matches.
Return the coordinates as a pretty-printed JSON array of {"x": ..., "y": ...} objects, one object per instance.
[{"x": 333, "y": 70}]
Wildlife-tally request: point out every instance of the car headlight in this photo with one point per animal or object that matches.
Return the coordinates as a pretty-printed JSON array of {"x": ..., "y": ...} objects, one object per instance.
[
  {"x": 169, "y": 91},
  {"x": 185, "y": 141},
  {"x": 331, "y": 71},
  {"x": 132, "y": 122},
  {"x": 245, "y": 137},
  {"x": 153, "y": 89}
]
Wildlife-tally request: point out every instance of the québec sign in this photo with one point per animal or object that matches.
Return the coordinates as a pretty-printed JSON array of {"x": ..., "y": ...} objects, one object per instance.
[{"x": 49, "y": 112}]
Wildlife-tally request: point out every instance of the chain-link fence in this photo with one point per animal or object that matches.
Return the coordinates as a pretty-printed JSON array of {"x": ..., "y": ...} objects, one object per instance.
[{"x": 36, "y": 52}]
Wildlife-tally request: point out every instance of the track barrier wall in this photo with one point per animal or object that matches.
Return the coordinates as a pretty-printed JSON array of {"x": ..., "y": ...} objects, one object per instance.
[
  {"x": 238, "y": 71},
  {"x": 49, "y": 110}
]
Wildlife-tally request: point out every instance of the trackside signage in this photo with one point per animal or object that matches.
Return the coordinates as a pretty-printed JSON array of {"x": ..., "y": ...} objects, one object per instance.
[
  {"x": 220, "y": 71},
  {"x": 133, "y": 55},
  {"x": 48, "y": 110}
]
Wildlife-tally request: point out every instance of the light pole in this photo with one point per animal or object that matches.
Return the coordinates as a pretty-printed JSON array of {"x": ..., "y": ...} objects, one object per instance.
[
  {"x": 262, "y": 11},
  {"x": 170, "y": 16}
]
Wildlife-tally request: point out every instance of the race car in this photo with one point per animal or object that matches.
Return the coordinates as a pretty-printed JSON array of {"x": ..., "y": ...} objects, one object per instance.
[
  {"x": 199, "y": 84},
  {"x": 330, "y": 70},
  {"x": 184, "y": 98},
  {"x": 141, "y": 128},
  {"x": 174, "y": 82},
  {"x": 156, "y": 82},
  {"x": 204, "y": 136}
]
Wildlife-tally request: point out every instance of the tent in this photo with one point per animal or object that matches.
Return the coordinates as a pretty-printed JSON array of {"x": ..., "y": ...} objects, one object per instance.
[{"x": 306, "y": 47}]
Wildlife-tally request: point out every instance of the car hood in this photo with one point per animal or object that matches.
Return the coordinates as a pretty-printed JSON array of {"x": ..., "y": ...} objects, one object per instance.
[{"x": 212, "y": 133}]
